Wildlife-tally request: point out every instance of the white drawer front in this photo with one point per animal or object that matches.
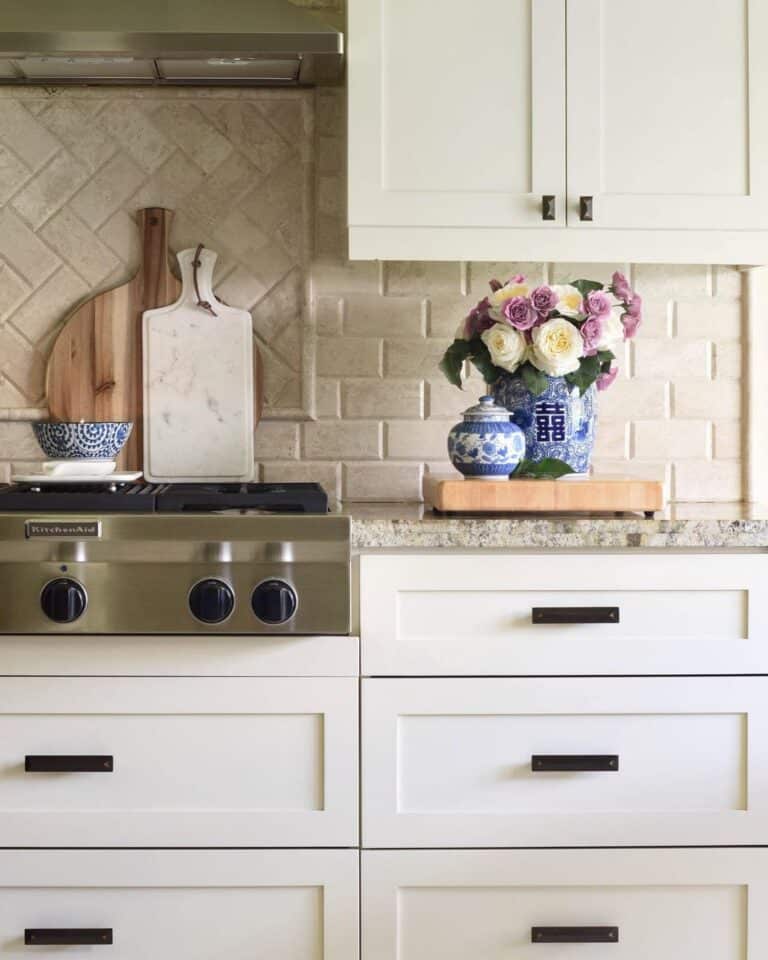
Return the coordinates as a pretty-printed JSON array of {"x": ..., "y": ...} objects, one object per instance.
[
  {"x": 658, "y": 761},
  {"x": 472, "y": 614},
  {"x": 75, "y": 655},
  {"x": 666, "y": 904},
  {"x": 196, "y": 762},
  {"x": 286, "y": 905}
]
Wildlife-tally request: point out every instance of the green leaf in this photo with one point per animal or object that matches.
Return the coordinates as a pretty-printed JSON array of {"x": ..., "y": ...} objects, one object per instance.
[
  {"x": 585, "y": 376},
  {"x": 453, "y": 360},
  {"x": 586, "y": 286},
  {"x": 481, "y": 360},
  {"x": 534, "y": 380},
  {"x": 606, "y": 358},
  {"x": 550, "y": 468}
]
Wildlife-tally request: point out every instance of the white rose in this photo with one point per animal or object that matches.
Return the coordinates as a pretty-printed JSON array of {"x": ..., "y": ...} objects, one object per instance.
[
  {"x": 613, "y": 330},
  {"x": 569, "y": 300},
  {"x": 506, "y": 346},
  {"x": 557, "y": 347}
]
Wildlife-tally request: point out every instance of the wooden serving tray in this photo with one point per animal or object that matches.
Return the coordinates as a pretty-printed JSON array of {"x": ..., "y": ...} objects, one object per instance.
[{"x": 590, "y": 495}]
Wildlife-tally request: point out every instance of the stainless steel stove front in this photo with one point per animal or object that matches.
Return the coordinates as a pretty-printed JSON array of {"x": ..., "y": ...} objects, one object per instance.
[{"x": 136, "y": 574}]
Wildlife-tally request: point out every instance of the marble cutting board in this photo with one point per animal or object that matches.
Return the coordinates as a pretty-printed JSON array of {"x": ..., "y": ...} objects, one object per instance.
[{"x": 198, "y": 385}]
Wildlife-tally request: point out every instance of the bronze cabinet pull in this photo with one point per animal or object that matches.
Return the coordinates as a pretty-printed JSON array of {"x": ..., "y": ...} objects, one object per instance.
[
  {"x": 67, "y": 937},
  {"x": 575, "y": 615},
  {"x": 68, "y": 764},
  {"x": 574, "y": 934},
  {"x": 575, "y": 763}
]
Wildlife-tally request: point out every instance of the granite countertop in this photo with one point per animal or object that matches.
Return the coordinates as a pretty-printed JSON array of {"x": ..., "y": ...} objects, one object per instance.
[{"x": 382, "y": 526}]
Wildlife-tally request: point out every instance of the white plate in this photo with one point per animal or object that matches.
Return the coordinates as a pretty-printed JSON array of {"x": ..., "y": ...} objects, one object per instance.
[
  {"x": 79, "y": 468},
  {"x": 45, "y": 479}
]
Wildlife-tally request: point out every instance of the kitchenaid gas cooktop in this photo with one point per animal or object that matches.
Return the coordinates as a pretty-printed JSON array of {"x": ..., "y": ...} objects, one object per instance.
[{"x": 173, "y": 559}]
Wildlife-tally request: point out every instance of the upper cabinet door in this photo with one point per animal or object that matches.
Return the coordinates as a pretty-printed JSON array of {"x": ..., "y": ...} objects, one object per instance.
[
  {"x": 668, "y": 114},
  {"x": 457, "y": 112}
]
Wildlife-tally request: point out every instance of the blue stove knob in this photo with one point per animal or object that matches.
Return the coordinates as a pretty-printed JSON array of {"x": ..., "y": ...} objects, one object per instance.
[
  {"x": 274, "y": 601},
  {"x": 211, "y": 601}
]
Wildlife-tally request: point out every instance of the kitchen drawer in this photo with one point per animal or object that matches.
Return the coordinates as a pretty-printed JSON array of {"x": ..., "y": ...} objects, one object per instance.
[
  {"x": 237, "y": 762},
  {"x": 474, "y": 614},
  {"x": 238, "y": 904},
  {"x": 661, "y": 904},
  {"x": 449, "y": 763},
  {"x": 245, "y": 655}
]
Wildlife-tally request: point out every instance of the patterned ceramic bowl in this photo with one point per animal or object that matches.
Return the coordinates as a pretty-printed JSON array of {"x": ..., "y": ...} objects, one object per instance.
[{"x": 85, "y": 441}]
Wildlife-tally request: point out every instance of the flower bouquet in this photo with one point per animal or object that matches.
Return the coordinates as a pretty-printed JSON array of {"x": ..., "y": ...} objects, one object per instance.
[{"x": 545, "y": 349}]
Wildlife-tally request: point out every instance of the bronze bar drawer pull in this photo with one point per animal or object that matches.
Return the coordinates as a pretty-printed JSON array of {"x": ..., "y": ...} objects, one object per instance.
[
  {"x": 575, "y": 763},
  {"x": 574, "y": 934},
  {"x": 69, "y": 764},
  {"x": 548, "y": 207},
  {"x": 575, "y": 615},
  {"x": 58, "y": 937}
]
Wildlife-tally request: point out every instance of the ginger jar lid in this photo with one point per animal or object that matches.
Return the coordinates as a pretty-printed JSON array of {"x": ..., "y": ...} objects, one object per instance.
[{"x": 487, "y": 410}]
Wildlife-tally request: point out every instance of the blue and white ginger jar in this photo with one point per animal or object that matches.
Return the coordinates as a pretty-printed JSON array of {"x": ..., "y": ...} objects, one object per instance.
[
  {"x": 486, "y": 445},
  {"x": 558, "y": 423}
]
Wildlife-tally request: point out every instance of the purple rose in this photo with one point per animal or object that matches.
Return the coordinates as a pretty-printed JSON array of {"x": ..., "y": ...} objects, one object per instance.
[
  {"x": 621, "y": 287},
  {"x": 544, "y": 300},
  {"x": 479, "y": 320},
  {"x": 606, "y": 379},
  {"x": 633, "y": 317},
  {"x": 598, "y": 304},
  {"x": 519, "y": 313},
  {"x": 592, "y": 334}
]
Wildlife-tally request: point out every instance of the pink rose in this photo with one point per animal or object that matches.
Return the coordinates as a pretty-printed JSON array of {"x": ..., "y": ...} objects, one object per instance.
[
  {"x": 544, "y": 300},
  {"x": 519, "y": 313},
  {"x": 606, "y": 379},
  {"x": 621, "y": 287},
  {"x": 592, "y": 334},
  {"x": 633, "y": 317},
  {"x": 598, "y": 304},
  {"x": 518, "y": 278}
]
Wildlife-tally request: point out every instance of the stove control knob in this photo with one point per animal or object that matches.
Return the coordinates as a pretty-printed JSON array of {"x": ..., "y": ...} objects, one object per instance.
[
  {"x": 274, "y": 601},
  {"x": 63, "y": 600},
  {"x": 211, "y": 601}
]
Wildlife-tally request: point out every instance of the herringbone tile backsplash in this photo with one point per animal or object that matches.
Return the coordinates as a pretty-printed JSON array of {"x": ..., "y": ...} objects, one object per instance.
[{"x": 354, "y": 397}]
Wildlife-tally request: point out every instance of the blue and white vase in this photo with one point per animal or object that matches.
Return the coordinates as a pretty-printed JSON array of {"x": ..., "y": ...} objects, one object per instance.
[
  {"x": 486, "y": 445},
  {"x": 557, "y": 423}
]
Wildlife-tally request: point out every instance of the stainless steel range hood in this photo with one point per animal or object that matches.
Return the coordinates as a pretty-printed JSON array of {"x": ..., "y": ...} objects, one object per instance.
[{"x": 249, "y": 42}]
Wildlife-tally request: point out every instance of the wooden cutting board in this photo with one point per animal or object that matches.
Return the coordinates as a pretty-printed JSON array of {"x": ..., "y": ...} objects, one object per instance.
[
  {"x": 589, "y": 495},
  {"x": 198, "y": 383},
  {"x": 94, "y": 371},
  {"x": 95, "y": 368}
]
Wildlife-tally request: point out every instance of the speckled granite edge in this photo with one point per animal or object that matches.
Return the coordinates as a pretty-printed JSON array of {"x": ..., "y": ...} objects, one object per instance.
[{"x": 432, "y": 532}]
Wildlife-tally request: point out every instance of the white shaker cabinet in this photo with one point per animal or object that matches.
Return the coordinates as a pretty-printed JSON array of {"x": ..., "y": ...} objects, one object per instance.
[
  {"x": 558, "y": 130},
  {"x": 457, "y": 112},
  {"x": 668, "y": 114},
  {"x": 564, "y": 905}
]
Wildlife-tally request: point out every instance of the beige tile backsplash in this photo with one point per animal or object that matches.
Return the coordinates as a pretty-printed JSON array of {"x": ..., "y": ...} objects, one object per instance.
[{"x": 354, "y": 398}]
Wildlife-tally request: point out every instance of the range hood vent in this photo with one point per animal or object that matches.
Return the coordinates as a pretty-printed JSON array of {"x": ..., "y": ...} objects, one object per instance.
[{"x": 246, "y": 42}]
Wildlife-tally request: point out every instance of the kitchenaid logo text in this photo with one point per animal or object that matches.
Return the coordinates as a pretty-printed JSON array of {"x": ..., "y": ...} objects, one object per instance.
[{"x": 68, "y": 529}]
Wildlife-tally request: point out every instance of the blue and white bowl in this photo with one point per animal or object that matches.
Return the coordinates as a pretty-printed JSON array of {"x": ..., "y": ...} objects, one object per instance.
[
  {"x": 486, "y": 445},
  {"x": 82, "y": 441}
]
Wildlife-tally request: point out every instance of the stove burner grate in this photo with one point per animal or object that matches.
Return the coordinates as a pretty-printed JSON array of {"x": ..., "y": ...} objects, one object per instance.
[{"x": 110, "y": 497}]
